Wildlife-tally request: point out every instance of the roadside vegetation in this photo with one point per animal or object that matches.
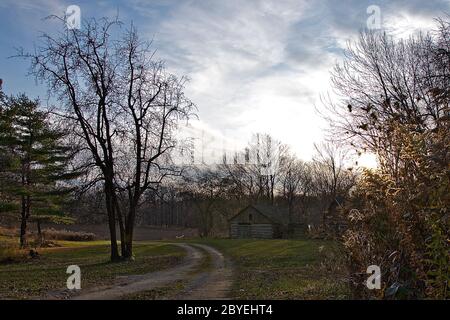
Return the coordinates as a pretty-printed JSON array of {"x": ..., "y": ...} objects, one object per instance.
[{"x": 395, "y": 104}]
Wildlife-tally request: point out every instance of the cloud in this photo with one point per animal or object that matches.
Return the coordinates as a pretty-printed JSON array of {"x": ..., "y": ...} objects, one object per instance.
[
  {"x": 262, "y": 65},
  {"x": 255, "y": 65},
  {"x": 243, "y": 75}
]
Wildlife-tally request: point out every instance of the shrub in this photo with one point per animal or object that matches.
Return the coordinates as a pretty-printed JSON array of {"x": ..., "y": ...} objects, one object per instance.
[{"x": 401, "y": 223}]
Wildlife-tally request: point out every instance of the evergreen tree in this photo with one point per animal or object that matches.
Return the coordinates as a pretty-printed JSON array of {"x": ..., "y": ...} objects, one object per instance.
[
  {"x": 5, "y": 157},
  {"x": 34, "y": 167}
]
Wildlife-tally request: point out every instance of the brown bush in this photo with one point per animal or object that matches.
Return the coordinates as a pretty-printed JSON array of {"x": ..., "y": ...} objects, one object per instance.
[
  {"x": 53, "y": 234},
  {"x": 401, "y": 223}
]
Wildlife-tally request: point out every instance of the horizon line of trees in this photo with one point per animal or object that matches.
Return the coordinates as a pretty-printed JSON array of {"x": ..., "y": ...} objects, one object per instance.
[{"x": 205, "y": 196}]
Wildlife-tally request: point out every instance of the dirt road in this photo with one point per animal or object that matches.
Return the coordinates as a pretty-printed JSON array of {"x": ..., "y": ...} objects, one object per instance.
[{"x": 213, "y": 283}]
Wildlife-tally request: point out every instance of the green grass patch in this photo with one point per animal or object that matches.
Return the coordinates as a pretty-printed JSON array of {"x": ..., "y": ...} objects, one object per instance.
[
  {"x": 33, "y": 278},
  {"x": 281, "y": 269}
]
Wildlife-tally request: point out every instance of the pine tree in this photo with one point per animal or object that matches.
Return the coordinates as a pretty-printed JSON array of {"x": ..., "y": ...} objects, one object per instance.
[
  {"x": 34, "y": 173},
  {"x": 5, "y": 158}
]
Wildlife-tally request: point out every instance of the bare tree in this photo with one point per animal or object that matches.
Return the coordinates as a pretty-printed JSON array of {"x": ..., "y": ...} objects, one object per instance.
[
  {"x": 124, "y": 105},
  {"x": 255, "y": 172},
  {"x": 151, "y": 103},
  {"x": 331, "y": 180},
  {"x": 205, "y": 187},
  {"x": 295, "y": 183},
  {"x": 331, "y": 176},
  {"x": 384, "y": 83}
]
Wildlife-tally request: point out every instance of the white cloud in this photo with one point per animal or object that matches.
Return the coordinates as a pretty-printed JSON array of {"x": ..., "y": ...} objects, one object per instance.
[
  {"x": 260, "y": 66},
  {"x": 405, "y": 24},
  {"x": 242, "y": 76},
  {"x": 255, "y": 65}
]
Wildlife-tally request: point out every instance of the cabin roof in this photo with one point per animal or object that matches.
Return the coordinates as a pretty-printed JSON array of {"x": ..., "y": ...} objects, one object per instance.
[{"x": 276, "y": 215}]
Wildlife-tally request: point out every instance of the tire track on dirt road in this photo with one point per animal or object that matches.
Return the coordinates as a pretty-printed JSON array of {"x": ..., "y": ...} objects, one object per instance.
[
  {"x": 214, "y": 284},
  {"x": 211, "y": 284}
]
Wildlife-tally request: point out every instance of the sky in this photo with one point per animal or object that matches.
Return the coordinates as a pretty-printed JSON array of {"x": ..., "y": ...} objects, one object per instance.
[{"x": 254, "y": 65}]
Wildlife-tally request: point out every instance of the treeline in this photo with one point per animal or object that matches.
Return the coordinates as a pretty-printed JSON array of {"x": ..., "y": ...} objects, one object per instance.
[
  {"x": 267, "y": 172},
  {"x": 205, "y": 196}
]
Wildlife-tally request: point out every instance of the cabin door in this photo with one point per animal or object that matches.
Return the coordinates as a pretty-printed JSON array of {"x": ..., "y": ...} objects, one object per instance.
[{"x": 244, "y": 231}]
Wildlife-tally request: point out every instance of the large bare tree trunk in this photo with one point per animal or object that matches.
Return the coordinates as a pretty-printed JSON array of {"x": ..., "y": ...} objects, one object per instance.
[
  {"x": 129, "y": 231},
  {"x": 115, "y": 256}
]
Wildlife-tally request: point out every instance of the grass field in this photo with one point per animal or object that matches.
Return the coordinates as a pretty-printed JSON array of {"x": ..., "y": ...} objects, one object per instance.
[
  {"x": 263, "y": 269},
  {"x": 282, "y": 269},
  {"x": 33, "y": 278}
]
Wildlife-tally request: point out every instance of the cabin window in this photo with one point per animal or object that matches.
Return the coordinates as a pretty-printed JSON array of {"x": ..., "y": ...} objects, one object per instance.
[{"x": 250, "y": 217}]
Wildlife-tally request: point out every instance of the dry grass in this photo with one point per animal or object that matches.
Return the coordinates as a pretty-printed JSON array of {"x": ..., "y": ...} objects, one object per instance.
[
  {"x": 52, "y": 234},
  {"x": 11, "y": 235},
  {"x": 11, "y": 254},
  {"x": 9, "y": 249},
  {"x": 9, "y": 242},
  {"x": 8, "y": 232}
]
